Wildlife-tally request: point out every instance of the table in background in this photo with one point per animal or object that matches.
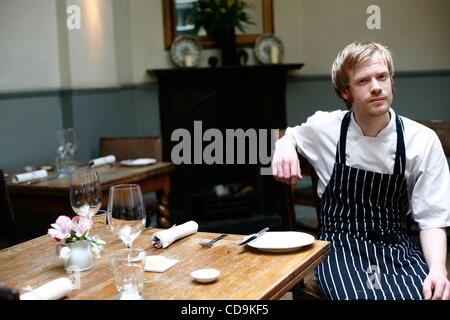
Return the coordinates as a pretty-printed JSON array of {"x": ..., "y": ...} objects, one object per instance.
[
  {"x": 52, "y": 197},
  {"x": 246, "y": 274}
]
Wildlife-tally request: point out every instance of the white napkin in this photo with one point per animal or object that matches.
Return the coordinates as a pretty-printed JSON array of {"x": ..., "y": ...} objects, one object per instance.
[
  {"x": 102, "y": 161},
  {"x": 33, "y": 175},
  {"x": 163, "y": 239},
  {"x": 53, "y": 290},
  {"x": 159, "y": 263}
]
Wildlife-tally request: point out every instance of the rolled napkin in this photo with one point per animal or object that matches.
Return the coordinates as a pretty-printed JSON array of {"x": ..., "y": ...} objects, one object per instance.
[
  {"x": 102, "y": 161},
  {"x": 53, "y": 290},
  {"x": 165, "y": 238},
  {"x": 33, "y": 175}
]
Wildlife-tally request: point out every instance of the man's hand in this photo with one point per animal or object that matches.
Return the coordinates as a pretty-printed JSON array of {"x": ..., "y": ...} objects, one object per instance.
[
  {"x": 434, "y": 246},
  {"x": 436, "y": 286},
  {"x": 285, "y": 164}
]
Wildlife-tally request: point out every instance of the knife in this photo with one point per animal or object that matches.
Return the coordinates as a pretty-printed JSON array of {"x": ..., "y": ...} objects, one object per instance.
[{"x": 253, "y": 237}]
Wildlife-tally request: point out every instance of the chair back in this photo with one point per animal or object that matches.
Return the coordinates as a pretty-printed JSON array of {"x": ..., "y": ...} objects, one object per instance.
[
  {"x": 442, "y": 129},
  {"x": 291, "y": 198},
  {"x": 7, "y": 221},
  {"x": 132, "y": 147},
  {"x": 289, "y": 191}
]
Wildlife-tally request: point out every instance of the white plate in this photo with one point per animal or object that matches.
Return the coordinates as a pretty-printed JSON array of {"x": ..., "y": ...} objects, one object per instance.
[
  {"x": 282, "y": 241},
  {"x": 205, "y": 275},
  {"x": 137, "y": 162}
]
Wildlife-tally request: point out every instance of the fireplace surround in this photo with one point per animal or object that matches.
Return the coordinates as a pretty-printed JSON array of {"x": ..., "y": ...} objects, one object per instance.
[{"x": 233, "y": 198}]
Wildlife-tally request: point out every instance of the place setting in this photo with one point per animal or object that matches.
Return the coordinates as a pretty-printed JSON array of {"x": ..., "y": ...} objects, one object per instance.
[{"x": 278, "y": 241}]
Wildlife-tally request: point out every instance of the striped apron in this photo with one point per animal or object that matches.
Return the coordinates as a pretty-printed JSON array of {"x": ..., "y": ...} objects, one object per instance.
[{"x": 363, "y": 215}]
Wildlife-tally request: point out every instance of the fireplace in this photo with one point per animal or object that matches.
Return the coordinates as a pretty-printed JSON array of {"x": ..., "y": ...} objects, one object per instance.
[{"x": 228, "y": 196}]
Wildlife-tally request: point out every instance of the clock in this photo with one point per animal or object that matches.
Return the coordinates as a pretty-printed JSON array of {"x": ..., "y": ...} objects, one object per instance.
[
  {"x": 186, "y": 51},
  {"x": 269, "y": 49}
]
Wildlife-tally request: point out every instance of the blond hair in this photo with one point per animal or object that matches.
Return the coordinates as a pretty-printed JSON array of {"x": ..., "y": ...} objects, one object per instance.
[{"x": 349, "y": 58}]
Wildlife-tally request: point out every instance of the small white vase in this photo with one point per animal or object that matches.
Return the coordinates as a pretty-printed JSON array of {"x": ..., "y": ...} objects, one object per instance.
[{"x": 80, "y": 256}]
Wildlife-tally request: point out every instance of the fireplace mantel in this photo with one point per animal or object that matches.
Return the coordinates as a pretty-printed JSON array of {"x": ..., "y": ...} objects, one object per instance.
[
  {"x": 225, "y": 71},
  {"x": 221, "y": 97}
]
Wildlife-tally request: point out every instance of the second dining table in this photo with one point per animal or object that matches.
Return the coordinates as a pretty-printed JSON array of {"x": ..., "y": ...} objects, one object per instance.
[{"x": 50, "y": 196}]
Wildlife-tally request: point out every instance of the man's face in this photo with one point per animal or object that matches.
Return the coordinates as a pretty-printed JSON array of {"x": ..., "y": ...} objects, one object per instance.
[{"x": 370, "y": 88}]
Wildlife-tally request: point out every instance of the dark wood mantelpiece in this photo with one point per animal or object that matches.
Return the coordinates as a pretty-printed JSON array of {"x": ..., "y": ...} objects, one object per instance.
[
  {"x": 232, "y": 70},
  {"x": 180, "y": 89}
]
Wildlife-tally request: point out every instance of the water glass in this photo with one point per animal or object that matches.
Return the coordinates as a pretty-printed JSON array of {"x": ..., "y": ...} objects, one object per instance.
[
  {"x": 85, "y": 192},
  {"x": 126, "y": 212},
  {"x": 128, "y": 270}
]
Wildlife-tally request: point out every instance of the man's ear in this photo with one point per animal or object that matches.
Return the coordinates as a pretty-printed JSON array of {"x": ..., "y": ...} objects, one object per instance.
[{"x": 345, "y": 94}]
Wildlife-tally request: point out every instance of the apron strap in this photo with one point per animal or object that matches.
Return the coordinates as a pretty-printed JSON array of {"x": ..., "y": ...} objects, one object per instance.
[
  {"x": 400, "y": 154},
  {"x": 340, "y": 151}
]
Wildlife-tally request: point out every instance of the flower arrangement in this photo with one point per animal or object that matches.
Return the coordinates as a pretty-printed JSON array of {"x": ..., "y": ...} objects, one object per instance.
[
  {"x": 66, "y": 230},
  {"x": 217, "y": 15}
]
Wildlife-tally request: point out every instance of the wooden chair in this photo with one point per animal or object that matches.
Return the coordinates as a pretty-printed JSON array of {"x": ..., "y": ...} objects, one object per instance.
[
  {"x": 305, "y": 196},
  {"x": 306, "y": 289},
  {"x": 7, "y": 219},
  {"x": 442, "y": 129},
  {"x": 131, "y": 148}
]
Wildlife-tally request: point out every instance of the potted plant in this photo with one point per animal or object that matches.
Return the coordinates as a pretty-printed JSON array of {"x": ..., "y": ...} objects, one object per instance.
[
  {"x": 75, "y": 246},
  {"x": 219, "y": 18}
]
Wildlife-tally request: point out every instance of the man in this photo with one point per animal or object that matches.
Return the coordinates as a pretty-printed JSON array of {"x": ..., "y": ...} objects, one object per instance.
[{"x": 374, "y": 168}]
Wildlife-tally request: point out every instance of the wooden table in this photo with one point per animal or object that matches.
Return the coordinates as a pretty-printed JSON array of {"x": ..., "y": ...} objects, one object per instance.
[
  {"x": 245, "y": 272},
  {"x": 52, "y": 197}
]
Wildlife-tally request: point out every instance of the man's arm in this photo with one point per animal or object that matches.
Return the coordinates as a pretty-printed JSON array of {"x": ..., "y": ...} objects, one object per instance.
[
  {"x": 285, "y": 163},
  {"x": 434, "y": 246}
]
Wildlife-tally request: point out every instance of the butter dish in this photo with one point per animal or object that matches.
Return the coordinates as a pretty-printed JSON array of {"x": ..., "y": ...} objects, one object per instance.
[{"x": 159, "y": 263}]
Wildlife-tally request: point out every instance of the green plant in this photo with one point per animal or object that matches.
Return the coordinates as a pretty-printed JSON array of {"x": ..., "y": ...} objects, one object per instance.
[{"x": 216, "y": 15}]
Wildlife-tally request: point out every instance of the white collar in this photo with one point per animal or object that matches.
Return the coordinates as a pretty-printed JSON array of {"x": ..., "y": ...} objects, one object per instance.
[{"x": 387, "y": 130}]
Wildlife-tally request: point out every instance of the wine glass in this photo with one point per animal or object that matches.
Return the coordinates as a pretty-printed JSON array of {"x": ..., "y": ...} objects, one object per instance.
[
  {"x": 85, "y": 192},
  {"x": 126, "y": 212},
  {"x": 67, "y": 146}
]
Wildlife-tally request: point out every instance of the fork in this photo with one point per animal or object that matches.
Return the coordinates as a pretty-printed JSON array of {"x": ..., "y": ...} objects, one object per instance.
[{"x": 210, "y": 243}]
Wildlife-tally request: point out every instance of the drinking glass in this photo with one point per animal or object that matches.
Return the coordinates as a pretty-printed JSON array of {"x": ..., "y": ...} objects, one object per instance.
[
  {"x": 67, "y": 146},
  {"x": 126, "y": 212},
  {"x": 128, "y": 270},
  {"x": 85, "y": 192}
]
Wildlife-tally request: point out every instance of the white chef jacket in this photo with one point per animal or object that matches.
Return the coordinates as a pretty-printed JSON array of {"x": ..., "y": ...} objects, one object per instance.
[{"x": 426, "y": 171}]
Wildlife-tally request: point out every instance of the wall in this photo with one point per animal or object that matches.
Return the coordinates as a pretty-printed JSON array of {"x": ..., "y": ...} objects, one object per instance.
[
  {"x": 106, "y": 63},
  {"x": 418, "y": 31},
  {"x": 29, "y": 45}
]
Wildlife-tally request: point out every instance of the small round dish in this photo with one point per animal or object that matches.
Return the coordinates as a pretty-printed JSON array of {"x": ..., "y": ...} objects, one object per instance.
[
  {"x": 267, "y": 48},
  {"x": 205, "y": 275},
  {"x": 185, "y": 51}
]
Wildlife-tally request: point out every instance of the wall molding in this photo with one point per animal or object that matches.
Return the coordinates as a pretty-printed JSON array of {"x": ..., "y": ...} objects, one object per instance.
[
  {"x": 75, "y": 91},
  {"x": 398, "y": 74},
  {"x": 154, "y": 85}
]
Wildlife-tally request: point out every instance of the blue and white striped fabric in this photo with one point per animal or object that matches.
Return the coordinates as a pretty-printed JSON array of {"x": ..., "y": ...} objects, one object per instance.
[{"x": 363, "y": 214}]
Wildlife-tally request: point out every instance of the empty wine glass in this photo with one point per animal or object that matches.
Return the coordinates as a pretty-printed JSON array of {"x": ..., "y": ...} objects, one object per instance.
[
  {"x": 126, "y": 212},
  {"x": 85, "y": 192},
  {"x": 67, "y": 146}
]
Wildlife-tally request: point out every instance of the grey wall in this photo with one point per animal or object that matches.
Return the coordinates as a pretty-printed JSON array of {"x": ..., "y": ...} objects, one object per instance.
[
  {"x": 419, "y": 95},
  {"x": 28, "y": 121}
]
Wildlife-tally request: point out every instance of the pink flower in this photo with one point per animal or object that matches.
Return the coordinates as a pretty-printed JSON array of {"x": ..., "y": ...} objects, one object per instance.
[
  {"x": 81, "y": 225},
  {"x": 61, "y": 228}
]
